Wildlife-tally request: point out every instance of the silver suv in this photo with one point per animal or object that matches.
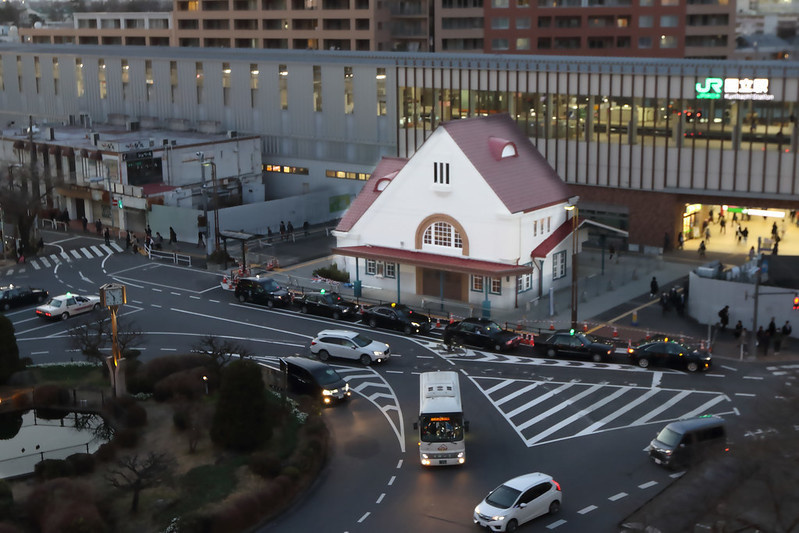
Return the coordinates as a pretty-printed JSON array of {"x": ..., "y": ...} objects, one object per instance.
[{"x": 349, "y": 345}]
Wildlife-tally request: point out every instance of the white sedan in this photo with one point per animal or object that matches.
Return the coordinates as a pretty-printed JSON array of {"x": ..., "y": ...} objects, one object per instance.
[{"x": 68, "y": 305}]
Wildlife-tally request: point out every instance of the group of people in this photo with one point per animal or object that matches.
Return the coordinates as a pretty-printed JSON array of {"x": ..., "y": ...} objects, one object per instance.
[
  {"x": 772, "y": 336},
  {"x": 672, "y": 298},
  {"x": 153, "y": 243},
  {"x": 287, "y": 231}
]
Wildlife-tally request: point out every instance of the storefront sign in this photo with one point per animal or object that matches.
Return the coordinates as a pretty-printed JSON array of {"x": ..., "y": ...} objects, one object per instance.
[{"x": 733, "y": 89}]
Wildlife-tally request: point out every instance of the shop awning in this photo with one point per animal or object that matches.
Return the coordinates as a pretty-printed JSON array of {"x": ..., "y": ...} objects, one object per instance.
[
  {"x": 54, "y": 150},
  {"x": 447, "y": 263},
  {"x": 19, "y": 145},
  {"x": 68, "y": 152},
  {"x": 84, "y": 152}
]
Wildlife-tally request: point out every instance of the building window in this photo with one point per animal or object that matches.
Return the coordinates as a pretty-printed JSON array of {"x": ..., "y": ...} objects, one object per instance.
[
  {"x": 149, "y": 80},
  {"x": 524, "y": 282},
  {"x": 441, "y": 173},
  {"x": 226, "y": 75},
  {"x": 253, "y": 84},
  {"x": 668, "y": 41},
  {"x": 499, "y": 44},
  {"x": 381, "y": 92},
  {"x": 500, "y": 23},
  {"x": 56, "y": 76},
  {"x": 283, "y": 85},
  {"x": 37, "y": 70},
  {"x": 199, "y": 81},
  {"x": 645, "y": 21},
  {"x": 173, "y": 80},
  {"x": 523, "y": 43},
  {"x": 495, "y": 286},
  {"x": 349, "y": 102},
  {"x": 645, "y": 42},
  {"x": 380, "y": 268},
  {"x": 559, "y": 265},
  {"x": 348, "y": 175},
  {"x": 535, "y": 228},
  {"x": 477, "y": 283},
  {"x": 284, "y": 169},
  {"x": 549, "y": 224},
  {"x": 371, "y": 267},
  {"x": 391, "y": 270},
  {"x": 442, "y": 234},
  {"x": 101, "y": 79},
  {"x": 317, "y": 88},
  {"x": 523, "y": 23},
  {"x": 79, "y": 76},
  {"x": 669, "y": 21}
]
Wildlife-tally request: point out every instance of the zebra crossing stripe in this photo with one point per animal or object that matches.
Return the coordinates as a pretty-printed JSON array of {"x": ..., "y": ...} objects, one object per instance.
[
  {"x": 87, "y": 253},
  {"x": 107, "y": 249},
  {"x": 116, "y": 247},
  {"x": 65, "y": 256},
  {"x": 35, "y": 265},
  {"x": 578, "y": 415},
  {"x": 702, "y": 409},
  {"x": 45, "y": 262},
  {"x": 614, "y": 415},
  {"x": 558, "y": 408},
  {"x": 540, "y": 399},
  {"x": 55, "y": 259},
  {"x": 75, "y": 253},
  {"x": 519, "y": 392},
  {"x": 96, "y": 250},
  {"x": 498, "y": 386},
  {"x": 651, "y": 414}
]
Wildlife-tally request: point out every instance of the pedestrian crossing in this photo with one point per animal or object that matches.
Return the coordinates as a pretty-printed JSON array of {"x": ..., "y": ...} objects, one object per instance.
[
  {"x": 45, "y": 262},
  {"x": 546, "y": 411}
]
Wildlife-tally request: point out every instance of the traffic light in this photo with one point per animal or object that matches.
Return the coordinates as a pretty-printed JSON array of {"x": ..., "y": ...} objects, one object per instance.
[
  {"x": 795, "y": 303},
  {"x": 119, "y": 202}
]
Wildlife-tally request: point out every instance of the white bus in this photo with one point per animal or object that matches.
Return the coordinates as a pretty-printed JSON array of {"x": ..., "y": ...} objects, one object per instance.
[{"x": 441, "y": 425}]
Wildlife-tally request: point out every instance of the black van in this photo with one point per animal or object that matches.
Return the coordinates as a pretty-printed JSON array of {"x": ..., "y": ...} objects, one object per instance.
[
  {"x": 263, "y": 291},
  {"x": 686, "y": 442},
  {"x": 307, "y": 376}
]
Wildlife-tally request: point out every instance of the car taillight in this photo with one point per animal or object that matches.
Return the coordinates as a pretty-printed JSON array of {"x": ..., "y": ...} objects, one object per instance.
[
  {"x": 629, "y": 350},
  {"x": 557, "y": 485},
  {"x": 313, "y": 343}
]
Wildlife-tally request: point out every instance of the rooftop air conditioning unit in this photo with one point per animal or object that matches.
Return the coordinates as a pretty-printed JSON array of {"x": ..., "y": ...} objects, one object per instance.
[
  {"x": 232, "y": 134},
  {"x": 49, "y": 133},
  {"x": 132, "y": 125},
  {"x": 95, "y": 136}
]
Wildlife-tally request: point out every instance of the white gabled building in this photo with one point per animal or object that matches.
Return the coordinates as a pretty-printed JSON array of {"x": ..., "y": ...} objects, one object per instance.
[{"x": 476, "y": 215}]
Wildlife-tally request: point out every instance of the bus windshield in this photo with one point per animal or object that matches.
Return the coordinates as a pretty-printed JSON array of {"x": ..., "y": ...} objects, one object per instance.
[{"x": 442, "y": 427}]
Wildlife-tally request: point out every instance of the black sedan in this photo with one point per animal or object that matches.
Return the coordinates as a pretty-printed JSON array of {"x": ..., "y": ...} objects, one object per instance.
[
  {"x": 326, "y": 303},
  {"x": 17, "y": 296},
  {"x": 480, "y": 332},
  {"x": 574, "y": 345},
  {"x": 396, "y": 316},
  {"x": 670, "y": 354}
]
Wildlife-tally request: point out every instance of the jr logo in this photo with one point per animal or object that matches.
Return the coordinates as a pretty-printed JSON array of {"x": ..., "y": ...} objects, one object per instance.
[{"x": 711, "y": 89}]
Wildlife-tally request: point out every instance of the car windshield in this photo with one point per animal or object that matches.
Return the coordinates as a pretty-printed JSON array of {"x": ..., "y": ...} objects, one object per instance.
[
  {"x": 270, "y": 285},
  {"x": 55, "y": 303},
  {"x": 326, "y": 376},
  {"x": 503, "y": 497},
  {"x": 669, "y": 437},
  {"x": 441, "y": 427},
  {"x": 361, "y": 341},
  {"x": 491, "y": 326}
]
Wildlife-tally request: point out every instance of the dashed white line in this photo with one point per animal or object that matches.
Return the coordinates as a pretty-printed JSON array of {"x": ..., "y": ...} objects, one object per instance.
[
  {"x": 214, "y": 301},
  {"x": 748, "y": 394},
  {"x": 174, "y": 293},
  {"x": 729, "y": 368},
  {"x": 715, "y": 375},
  {"x": 380, "y": 498},
  {"x": 647, "y": 484},
  {"x": 586, "y": 510},
  {"x": 194, "y": 297},
  {"x": 169, "y": 349},
  {"x": 753, "y": 377},
  {"x": 156, "y": 290},
  {"x": 399, "y": 464},
  {"x": 394, "y": 371},
  {"x": 361, "y": 519},
  {"x": 391, "y": 481},
  {"x": 156, "y": 306},
  {"x": 553, "y": 525},
  {"x": 39, "y": 353},
  {"x": 618, "y": 496}
]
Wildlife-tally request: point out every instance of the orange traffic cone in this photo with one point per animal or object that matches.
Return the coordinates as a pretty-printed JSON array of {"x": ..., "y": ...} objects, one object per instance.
[
  {"x": 451, "y": 318},
  {"x": 615, "y": 331},
  {"x": 438, "y": 322},
  {"x": 647, "y": 334},
  {"x": 702, "y": 345},
  {"x": 629, "y": 345},
  {"x": 552, "y": 326},
  {"x": 585, "y": 327}
]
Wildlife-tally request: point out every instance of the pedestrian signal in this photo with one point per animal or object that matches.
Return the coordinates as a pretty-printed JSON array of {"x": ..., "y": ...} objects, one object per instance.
[
  {"x": 795, "y": 303},
  {"x": 119, "y": 203}
]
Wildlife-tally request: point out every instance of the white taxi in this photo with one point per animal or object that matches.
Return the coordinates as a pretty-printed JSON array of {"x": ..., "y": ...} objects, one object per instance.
[{"x": 67, "y": 305}]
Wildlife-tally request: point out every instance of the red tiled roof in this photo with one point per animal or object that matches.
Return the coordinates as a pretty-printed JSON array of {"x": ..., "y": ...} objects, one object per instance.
[
  {"x": 439, "y": 262},
  {"x": 523, "y": 183},
  {"x": 386, "y": 169},
  {"x": 558, "y": 236}
]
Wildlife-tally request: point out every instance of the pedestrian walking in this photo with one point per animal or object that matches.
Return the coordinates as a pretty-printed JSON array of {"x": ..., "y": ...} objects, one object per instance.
[
  {"x": 282, "y": 231},
  {"x": 269, "y": 235},
  {"x": 127, "y": 240},
  {"x": 680, "y": 240},
  {"x": 173, "y": 236},
  {"x": 739, "y": 328},
  {"x": 776, "y": 248},
  {"x": 98, "y": 226},
  {"x": 200, "y": 240},
  {"x": 745, "y": 233},
  {"x": 774, "y": 229},
  {"x": 724, "y": 316},
  {"x": 707, "y": 234},
  {"x": 751, "y": 253},
  {"x": 107, "y": 235},
  {"x": 159, "y": 241},
  {"x": 290, "y": 230},
  {"x": 40, "y": 244},
  {"x": 702, "y": 249},
  {"x": 762, "y": 341},
  {"x": 85, "y": 222},
  {"x": 711, "y": 215},
  {"x": 772, "y": 328},
  {"x": 735, "y": 217},
  {"x": 305, "y": 228},
  {"x": 653, "y": 287},
  {"x": 723, "y": 224}
]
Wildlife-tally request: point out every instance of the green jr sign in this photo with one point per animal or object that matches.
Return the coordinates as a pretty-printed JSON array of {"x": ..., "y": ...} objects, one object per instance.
[
  {"x": 710, "y": 90},
  {"x": 733, "y": 89}
]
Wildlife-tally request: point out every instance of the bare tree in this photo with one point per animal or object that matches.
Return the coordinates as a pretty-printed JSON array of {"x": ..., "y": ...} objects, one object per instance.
[
  {"x": 220, "y": 351},
  {"x": 22, "y": 203},
  {"x": 93, "y": 335},
  {"x": 135, "y": 474}
]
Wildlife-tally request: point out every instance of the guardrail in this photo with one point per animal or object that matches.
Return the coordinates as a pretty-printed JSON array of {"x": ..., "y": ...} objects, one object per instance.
[
  {"x": 174, "y": 257},
  {"x": 52, "y": 223}
]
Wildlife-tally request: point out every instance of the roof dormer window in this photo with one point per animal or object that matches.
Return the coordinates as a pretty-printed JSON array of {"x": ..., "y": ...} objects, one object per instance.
[{"x": 501, "y": 148}]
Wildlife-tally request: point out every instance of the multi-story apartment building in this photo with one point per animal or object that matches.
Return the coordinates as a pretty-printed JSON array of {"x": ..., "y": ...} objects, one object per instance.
[{"x": 649, "y": 28}]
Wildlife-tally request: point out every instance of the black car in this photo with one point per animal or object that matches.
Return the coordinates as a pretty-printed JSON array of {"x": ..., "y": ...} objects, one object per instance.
[
  {"x": 396, "y": 316},
  {"x": 306, "y": 376},
  {"x": 670, "y": 354},
  {"x": 574, "y": 345},
  {"x": 326, "y": 303},
  {"x": 16, "y": 296},
  {"x": 264, "y": 291},
  {"x": 480, "y": 332}
]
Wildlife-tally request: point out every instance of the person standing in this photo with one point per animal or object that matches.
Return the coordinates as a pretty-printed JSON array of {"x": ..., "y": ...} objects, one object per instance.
[
  {"x": 680, "y": 241},
  {"x": 776, "y": 248},
  {"x": 127, "y": 240},
  {"x": 707, "y": 233},
  {"x": 772, "y": 328},
  {"x": 723, "y": 224},
  {"x": 739, "y": 328},
  {"x": 269, "y": 235},
  {"x": 751, "y": 253},
  {"x": 702, "y": 249},
  {"x": 762, "y": 341},
  {"x": 200, "y": 240},
  {"x": 724, "y": 316},
  {"x": 786, "y": 331},
  {"x": 107, "y": 235},
  {"x": 653, "y": 287},
  {"x": 290, "y": 230},
  {"x": 98, "y": 226},
  {"x": 282, "y": 231},
  {"x": 173, "y": 236},
  {"x": 85, "y": 222},
  {"x": 745, "y": 233}
]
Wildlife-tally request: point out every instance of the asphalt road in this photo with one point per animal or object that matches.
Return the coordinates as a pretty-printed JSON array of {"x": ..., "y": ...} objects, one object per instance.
[{"x": 585, "y": 423}]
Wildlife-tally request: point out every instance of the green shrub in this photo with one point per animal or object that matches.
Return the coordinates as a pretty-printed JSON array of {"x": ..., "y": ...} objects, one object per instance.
[
  {"x": 188, "y": 384},
  {"x": 6, "y": 499},
  {"x": 51, "y": 469},
  {"x": 265, "y": 464},
  {"x": 106, "y": 452},
  {"x": 157, "y": 369},
  {"x": 64, "y": 506},
  {"x": 126, "y": 438},
  {"x": 332, "y": 272},
  {"x": 50, "y": 395},
  {"x": 81, "y": 463},
  {"x": 127, "y": 411},
  {"x": 240, "y": 421}
]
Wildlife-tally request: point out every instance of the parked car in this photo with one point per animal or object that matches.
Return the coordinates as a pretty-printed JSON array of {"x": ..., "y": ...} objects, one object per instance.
[
  {"x": 17, "y": 296},
  {"x": 573, "y": 345},
  {"x": 480, "y": 332},
  {"x": 263, "y": 291},
  {"x": 396, "y": 316},
  {"x": 517, "y": 501},
  {"x": 67, "y": 305},
  {"x": 670, "y": 354},
  {"x": 326, "y": 303},
  {"x": 306, "y": 376},
  {"x": 686, "y": 442},
  {"x": 349, "y": 345}
]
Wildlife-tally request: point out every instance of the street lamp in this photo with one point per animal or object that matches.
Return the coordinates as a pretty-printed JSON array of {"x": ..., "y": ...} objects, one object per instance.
[
  {"x": 575, "y": 215},
  {"x": 206, "y": 162},
  {"x": 205, "y": 381}
]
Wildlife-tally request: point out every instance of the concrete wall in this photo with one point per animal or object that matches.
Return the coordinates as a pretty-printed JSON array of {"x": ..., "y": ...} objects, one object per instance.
[{"x": 708, "y": 296}]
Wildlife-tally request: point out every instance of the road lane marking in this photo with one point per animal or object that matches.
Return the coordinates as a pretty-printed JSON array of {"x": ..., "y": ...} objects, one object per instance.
[
  {"x": 747, "y": 394},
  {"x": 656, "y": 377},
  {"x": 618, "y": 496},
  {"x": 647, "y": 484},
  {"x": 391, "y": 481},
  {"x": 380, "y": 498},
  {"x": 553, "y": 525},
  {"x": 361, "y": 519},
  {"x": 651, "y": 414},
  {"x": 753, "y": 377},
  {"x": 729, "y": 368},
  {"x": 588, "y": 509}
]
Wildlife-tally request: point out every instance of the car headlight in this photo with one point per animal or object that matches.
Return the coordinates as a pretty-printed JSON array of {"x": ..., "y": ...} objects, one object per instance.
[
  {"x": 425, "y": 456},
  {"x": 326, "y": 392},
  {"x": 415, "y": 324},
  {"x": 378, "y": 353},
  {"x": 498, "y": 518},
  {"x": 346, "y": 387}
]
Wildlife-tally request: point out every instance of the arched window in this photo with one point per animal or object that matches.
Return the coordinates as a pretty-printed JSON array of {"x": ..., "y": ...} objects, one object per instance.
[{"x": 442, "y": 234}]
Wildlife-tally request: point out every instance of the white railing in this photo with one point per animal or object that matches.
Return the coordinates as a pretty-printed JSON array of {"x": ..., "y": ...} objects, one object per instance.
[{"x": 174, "y": 257}]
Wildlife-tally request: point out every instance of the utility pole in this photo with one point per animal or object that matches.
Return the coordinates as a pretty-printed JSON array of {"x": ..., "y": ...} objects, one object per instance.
[{"x": 753, "y": 340}]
